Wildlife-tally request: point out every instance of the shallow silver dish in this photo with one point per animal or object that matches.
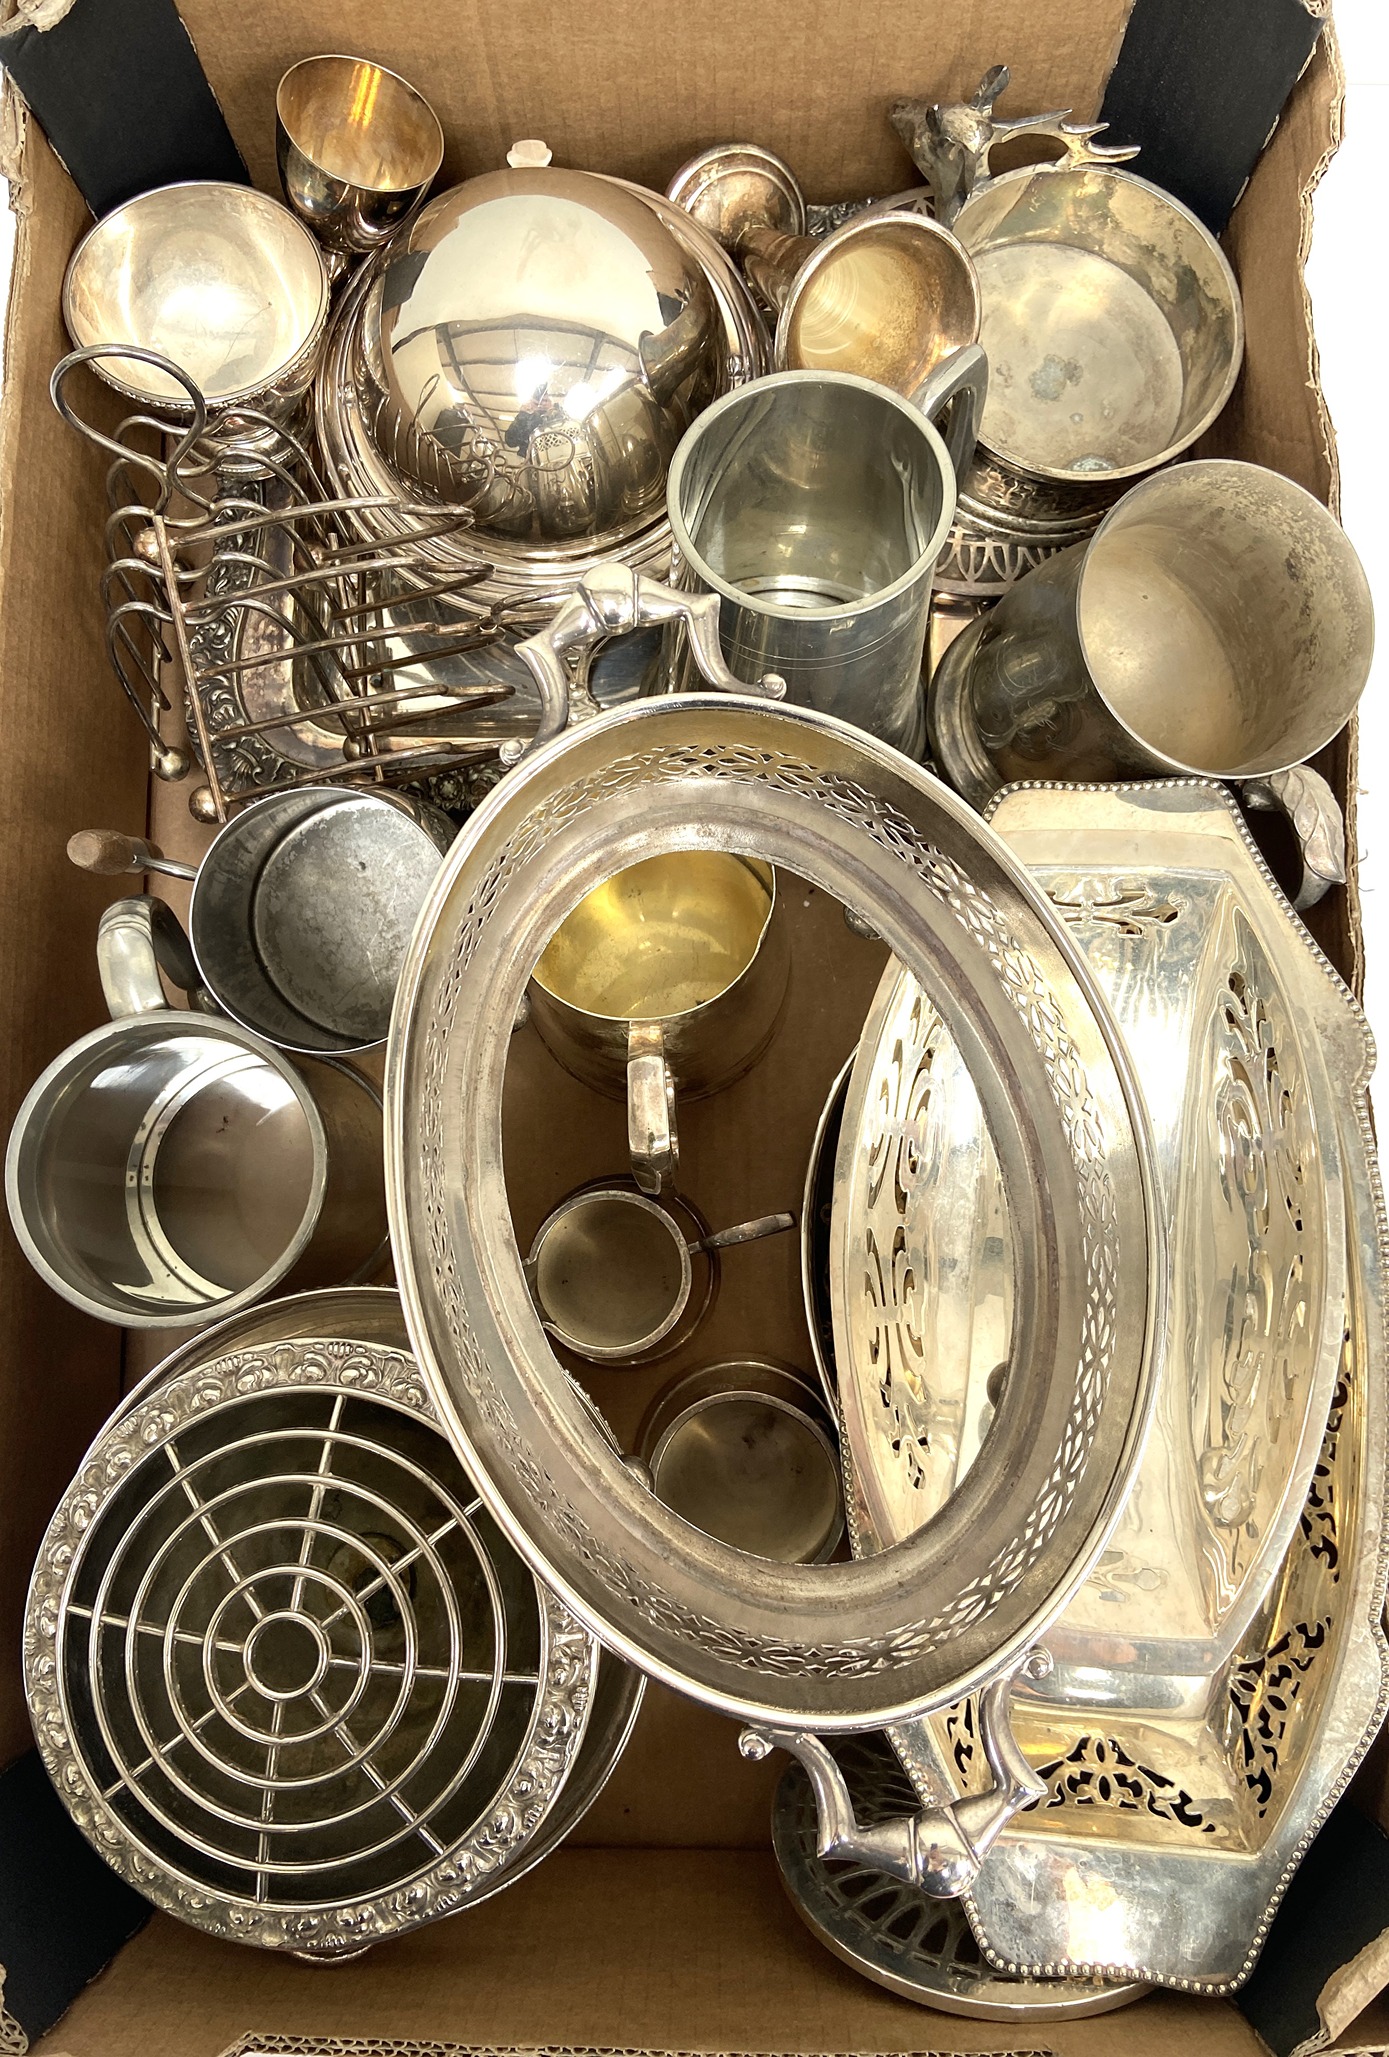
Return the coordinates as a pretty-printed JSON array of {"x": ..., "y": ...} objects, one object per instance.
[
  {"x": 287, "y": 1675},
  {"x": 822, "y": 1647},
  {"x": 923, "y": 1950}
]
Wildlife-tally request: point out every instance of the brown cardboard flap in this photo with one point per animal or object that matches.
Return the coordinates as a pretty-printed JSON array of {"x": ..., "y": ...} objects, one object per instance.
[{"x": 645, "y": 1950}]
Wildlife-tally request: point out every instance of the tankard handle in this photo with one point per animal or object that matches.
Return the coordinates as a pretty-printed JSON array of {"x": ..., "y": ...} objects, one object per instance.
[
  {"x": 612, "y": 600},
  {"x": 136, "y": 939},
  {"x": 939, "y": 1850},
  {"x": 1314, "y": 814},
  {"x": 653, "y": 1141},
  {"x": 952, "y": 399}
]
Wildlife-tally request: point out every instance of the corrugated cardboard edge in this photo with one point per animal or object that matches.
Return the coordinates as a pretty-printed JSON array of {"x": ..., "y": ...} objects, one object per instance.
[
  {"x": 334, "y": 2046},
  {"x": 1344, "y": 1998}
]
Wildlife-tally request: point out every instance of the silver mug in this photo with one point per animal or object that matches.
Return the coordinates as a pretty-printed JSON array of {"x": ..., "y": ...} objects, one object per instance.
[
  {"x": 1218, "y": 624},
  {"x": 668, "y": 977},
  {"x": 170, "y": 1167},
  {"x": 816, "y": 505}
]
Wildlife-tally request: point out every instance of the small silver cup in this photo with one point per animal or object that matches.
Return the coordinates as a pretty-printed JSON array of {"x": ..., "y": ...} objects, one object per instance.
[
  {"x": 612, "y": 1272},
  {"x": 816, "y": 504},
  {"x": 358, "y": 148},
  {"x": 169, "y": 1167}
]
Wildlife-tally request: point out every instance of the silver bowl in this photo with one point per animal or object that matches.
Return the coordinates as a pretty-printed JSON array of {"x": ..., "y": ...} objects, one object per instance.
[{"x": 219, "y": 279}]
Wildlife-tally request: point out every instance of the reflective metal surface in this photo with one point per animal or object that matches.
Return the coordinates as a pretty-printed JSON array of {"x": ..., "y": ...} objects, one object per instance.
[
  {"x": 172, "y": 1166},
  {"x": 220, "y": 278},
  {"x": 513, "y": 568},
  {"x": 667, "y": 978},
  {"x": 815, "y": 504},
  {"x": 1220, "y": 623},
  {"x": 826, "y": 1647},
  {"x": 357, "y": 149},
  {"x": 283, "y": 1668},
  {"x": 533, "y": 348},
  {"x": 1112, "y": 321},
  {"x": 744, "y": 1451},
  {"x": 1193, "y": 1688},
  {"x": 889, "y": 295},
  {"x": 921, "y": 1949},
  {"x": 302, "y": 910}
]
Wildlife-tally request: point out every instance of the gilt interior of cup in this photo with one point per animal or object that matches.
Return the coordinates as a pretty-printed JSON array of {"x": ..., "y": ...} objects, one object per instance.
[
  {"x": 218, "y": 278},
  {"x": 361, "y": 124},
  {"x": 1225, "y": 620},
  {"x": 1111, "y": 319},
  {"x": 660, "y": 938},
  {"x": 888, "y": 296},
  {"x": 166, "y": 1169},
  {"x": 611, "y": 1273},
  {"x": 811, "y": 494}
]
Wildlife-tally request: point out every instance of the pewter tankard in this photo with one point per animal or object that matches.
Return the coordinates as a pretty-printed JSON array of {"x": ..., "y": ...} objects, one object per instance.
[
  {"x": 815, "y": 504},
  {"x": 170, "y": 1166}
]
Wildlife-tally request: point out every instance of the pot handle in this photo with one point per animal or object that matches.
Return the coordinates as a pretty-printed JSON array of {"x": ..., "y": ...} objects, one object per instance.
[
  {"x": 940, "y": 1849},
  {"x": 952, "y": 399},
  {"x": 611, "y": 600},
  {"x": 135, "y": 940},
  {"x": 1314, "y": 814}
]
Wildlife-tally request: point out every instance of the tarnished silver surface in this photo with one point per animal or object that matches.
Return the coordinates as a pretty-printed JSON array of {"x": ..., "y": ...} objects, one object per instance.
[
  {"x": 921, "y": 1949},
  {"x": 1218, "y": 1674},
  {"x": 745, "y": 1451},
  {"x": 830, "y": 1647},
  {"x": 532, "y": 347},
  {"x": 1219, "y": 624},
  {"x": 519, "y": 568},
  {"x": 1112, "y": 321},
  {"x": 285, "y": 1672},
  {"x": 220, "y": 278}
]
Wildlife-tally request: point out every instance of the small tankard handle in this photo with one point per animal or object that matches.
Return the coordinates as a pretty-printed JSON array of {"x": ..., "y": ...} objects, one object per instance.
[
  {"x": 952, "y": 400},
  {"x": 939, "y": 1850},
  {"x": 1314, "y": 814},
  {"x": 653, "y": 1140},
  {"x": 612, "y": 600},
  {"x": 136, "y": 939}
]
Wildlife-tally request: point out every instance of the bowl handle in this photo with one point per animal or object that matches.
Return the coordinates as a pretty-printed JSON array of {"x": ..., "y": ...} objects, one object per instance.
[
  {"x": 939, "y": 1850},
  {"x": 612, "y": 600}
]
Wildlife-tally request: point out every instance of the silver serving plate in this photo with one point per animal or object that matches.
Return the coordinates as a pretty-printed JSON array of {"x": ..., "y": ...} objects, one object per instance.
[
  {"x": 285, "y": 1673},
  {"x": 831, "y": 1647},
  {"x": 1220, "y": 1672}
]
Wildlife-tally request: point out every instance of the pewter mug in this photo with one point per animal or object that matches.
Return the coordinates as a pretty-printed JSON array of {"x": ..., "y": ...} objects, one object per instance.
[
  {"x": 815, "y": 504},
  {"x": 170, "y": 1166},
  {"x": 1218, "y": 624},
  {"x": 670, "y": 976}
]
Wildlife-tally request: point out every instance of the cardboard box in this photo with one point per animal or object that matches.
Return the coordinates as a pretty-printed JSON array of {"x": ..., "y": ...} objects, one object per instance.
[{"x": 665, "y": 1927}]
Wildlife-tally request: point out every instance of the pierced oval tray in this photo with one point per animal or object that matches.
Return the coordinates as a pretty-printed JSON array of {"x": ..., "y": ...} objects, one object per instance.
[
  {"x": 817, "y": 1647},
  {"x": 1220, "y": 1673}
]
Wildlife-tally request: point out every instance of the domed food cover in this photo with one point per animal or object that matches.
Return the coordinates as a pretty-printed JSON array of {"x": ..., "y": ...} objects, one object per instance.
[{"x": 533, "y": 348}]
